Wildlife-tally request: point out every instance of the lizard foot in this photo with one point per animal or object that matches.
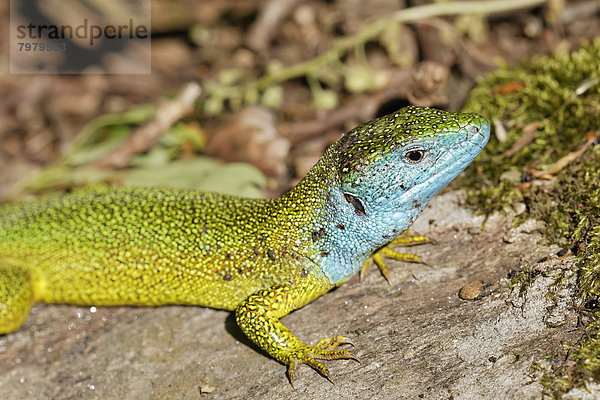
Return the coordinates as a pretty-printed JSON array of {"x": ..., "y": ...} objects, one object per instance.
[
  {"x": 326, "y": 349},
  {"x": 406, "y": 238}
]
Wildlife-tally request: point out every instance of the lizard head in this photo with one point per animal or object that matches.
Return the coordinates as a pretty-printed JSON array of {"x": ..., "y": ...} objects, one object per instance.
[
  {"x": 393, "y": 165},
  {"x": 378, "y": 178}
]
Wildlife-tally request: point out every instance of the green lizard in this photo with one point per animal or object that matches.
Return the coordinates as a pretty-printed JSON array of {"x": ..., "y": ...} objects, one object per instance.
[{"x": 260, "y": 258}]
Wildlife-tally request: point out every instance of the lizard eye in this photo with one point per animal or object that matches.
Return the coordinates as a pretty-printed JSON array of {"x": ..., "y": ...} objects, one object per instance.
[
  {"x": 414, "y": 156},
  {"x": 359, "y": 209}
]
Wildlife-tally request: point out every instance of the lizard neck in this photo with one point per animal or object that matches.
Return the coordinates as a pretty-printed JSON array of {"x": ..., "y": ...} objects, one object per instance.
[
  {"x": 329, "y": 230},
  {"x": 348, "y": 239}
]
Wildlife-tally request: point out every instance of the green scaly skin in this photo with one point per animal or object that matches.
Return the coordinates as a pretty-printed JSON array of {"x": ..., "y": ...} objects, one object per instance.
[{"x": 259, "y": 258}]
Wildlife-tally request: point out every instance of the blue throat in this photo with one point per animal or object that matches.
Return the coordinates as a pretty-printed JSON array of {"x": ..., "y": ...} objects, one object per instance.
[{"x": 346, "y": 239}]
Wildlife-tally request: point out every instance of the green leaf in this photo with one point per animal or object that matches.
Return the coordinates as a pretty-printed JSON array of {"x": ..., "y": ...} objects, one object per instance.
[{"x": 201, "y": 173}]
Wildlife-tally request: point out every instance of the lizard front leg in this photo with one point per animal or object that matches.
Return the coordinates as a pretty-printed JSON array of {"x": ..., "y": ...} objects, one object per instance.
[{"x": 258, "y": 317}]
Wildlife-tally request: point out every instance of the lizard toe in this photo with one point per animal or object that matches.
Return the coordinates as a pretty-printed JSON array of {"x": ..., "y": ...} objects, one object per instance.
[{"x": 326, "y": 349}]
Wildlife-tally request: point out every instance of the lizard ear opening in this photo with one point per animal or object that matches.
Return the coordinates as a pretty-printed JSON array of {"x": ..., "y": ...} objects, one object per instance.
[{"x": 359, "y": 209}]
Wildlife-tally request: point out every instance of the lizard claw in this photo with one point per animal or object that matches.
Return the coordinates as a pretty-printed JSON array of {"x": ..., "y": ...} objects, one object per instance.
[
  {"x": 332, "y": 343},
  {"x": 326, "y": 349}
]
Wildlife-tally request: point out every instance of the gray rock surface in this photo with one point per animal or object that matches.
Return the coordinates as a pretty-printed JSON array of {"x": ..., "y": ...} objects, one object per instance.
[{"x": 415, "y": 337}]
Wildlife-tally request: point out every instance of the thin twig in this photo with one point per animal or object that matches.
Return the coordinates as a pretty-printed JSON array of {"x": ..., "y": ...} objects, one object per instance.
[
  {"x": 145, "y": 137},
  {"x": 529, "y": 134},
  {"x": 370, "y": 31},
  {"x": 566, "y": 160}
]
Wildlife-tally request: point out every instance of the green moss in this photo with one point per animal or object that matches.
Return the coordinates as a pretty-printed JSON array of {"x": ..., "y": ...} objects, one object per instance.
[
  {"x": 576, "y": 217},
  {"x": 557, "y": 98}
]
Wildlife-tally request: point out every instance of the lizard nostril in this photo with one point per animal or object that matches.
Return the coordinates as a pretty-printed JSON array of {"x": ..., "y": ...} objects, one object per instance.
[{"x": 473, "y": 129}]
